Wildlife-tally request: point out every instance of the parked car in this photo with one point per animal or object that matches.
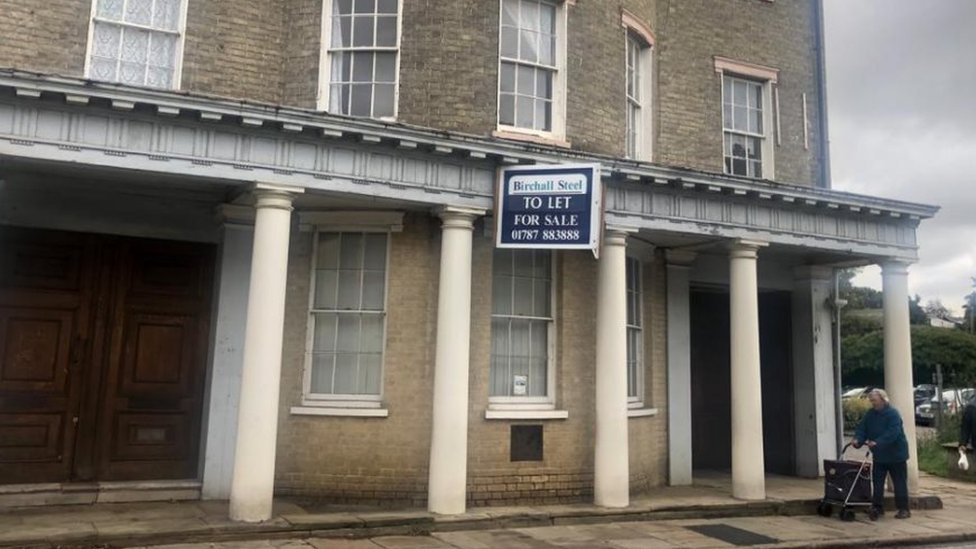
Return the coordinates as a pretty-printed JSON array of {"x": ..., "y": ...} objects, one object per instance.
[
  {"x": 924, "y": 393},
  {"x": 856, "y": 392},
  {"x": 953, "y": 401}
]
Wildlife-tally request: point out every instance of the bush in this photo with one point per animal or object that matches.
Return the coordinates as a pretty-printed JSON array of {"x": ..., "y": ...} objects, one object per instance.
[
  {"x": 854, "y": 410},
  {"x": 931, "y": 454}
]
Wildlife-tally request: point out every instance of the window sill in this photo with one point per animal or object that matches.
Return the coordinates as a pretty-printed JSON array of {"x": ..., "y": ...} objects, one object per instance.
[
  {"x": 526, "y": 414},
  {"x": 338, "y": 412},
  {"x": 641, "y": 412},
  {"x": 516, "y": 135}
]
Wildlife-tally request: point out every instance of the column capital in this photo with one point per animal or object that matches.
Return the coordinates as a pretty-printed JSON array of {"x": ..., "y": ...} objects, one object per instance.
[
  {"x": 680, "y": 258},
  {"x": 616, "y": 235},
  {"x": 459, "y": 217},
  {"x": 269, "y": 195},
  {"x": 895, "y": 267},
  {"x": 746, "y": 249}
]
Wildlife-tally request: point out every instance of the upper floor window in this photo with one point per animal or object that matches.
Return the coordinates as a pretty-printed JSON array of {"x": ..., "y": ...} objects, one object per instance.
[
  {"x": 531, "y": 85},
  {"x": 747, "y": 118},
  {"x": 137, "y": 42},
  {"x": 639, "y": 70},
  {"x": 359, "y": 74}
]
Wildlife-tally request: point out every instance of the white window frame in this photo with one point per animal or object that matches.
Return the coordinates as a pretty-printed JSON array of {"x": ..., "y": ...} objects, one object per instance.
[
  {"x": 344, "y": 222},
  {"x": 325, "y": 60},
  {"x": 638, "y": 32},
  {"x": 532, "y": 403},
  {"x": 637, "y": 401},
  {"x": 557, "y": 134},
  {"x": 180, "y": 41},
  {"x": 767, "y": 77}
]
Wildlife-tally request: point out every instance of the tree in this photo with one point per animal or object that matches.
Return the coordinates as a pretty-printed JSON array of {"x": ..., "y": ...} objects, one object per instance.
[
  {"x": 935, "y": 309},
  {"x": 916, "y": 315},
  {"x": 863, "y": 356}
]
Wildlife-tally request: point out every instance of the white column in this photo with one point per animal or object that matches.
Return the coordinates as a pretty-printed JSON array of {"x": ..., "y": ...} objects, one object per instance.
[
  {"x": 611, "y": 475},
  {"x": 748, "y": 464},
  {"x": 679, "y": 368},
  {"x": 448, "y": 472},
  {"x": 898, "y": 356},
  {"x": 813, "y": 370},
  {"x": 252, "y": 487},
  {"x": 224, "y": 386}
]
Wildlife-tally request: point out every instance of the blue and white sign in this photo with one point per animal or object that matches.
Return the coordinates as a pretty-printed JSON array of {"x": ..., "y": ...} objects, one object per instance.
[{"x": 549, "y": 207}]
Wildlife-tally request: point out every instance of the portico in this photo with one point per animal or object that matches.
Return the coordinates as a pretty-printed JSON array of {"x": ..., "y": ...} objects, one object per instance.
[{"x": 403, "y": 213}]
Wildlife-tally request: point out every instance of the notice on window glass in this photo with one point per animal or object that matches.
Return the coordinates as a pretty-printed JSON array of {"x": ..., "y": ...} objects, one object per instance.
[
  {"x": 520, "y": 385},
  {"x": 549, "y": 207}
]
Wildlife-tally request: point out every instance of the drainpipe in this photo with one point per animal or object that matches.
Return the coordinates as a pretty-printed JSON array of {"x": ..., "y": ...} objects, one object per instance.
[
  {"x": 818, "y": 32},
  {"x": 836, "y": 304}
]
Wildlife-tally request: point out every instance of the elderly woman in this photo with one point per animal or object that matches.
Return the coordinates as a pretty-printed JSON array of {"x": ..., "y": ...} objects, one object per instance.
[{"x": 882, "y": 431}]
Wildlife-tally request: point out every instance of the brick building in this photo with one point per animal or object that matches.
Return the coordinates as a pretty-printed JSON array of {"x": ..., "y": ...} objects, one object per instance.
[{"x": 248, "y": 247}]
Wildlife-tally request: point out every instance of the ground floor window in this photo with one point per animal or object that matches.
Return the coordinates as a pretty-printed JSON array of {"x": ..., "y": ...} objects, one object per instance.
[{"x": 635, "y": 332}]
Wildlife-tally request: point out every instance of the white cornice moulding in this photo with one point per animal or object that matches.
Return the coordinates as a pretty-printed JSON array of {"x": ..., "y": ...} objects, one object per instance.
[{"x": 386, "y": 221}]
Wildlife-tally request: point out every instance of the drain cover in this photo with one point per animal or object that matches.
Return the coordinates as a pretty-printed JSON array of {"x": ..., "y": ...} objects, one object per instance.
[{"x": 731, "y": 534}]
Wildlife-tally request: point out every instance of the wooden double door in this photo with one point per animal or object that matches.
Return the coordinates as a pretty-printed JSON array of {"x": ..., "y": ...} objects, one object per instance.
[{"x": 103, "y": 347}]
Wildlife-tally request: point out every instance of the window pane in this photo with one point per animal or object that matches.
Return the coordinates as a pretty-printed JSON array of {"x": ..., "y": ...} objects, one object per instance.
[
  {"x": 110, "y": 9},
  {"x": 509, "y": 42},
  {"x": 135, "y": 45},
  {"x": 755, "y": 121},
  {"x": 501, "y": 295},
  {"x": 543, "y": 84},
  {"x": 138, "y": 12},
  {"x": 349, "y": 290},
  {"x": 524, "y": 113},
  {"x": 348, "y": 338},
  {"x": 325, "y": 289},
  {"x": 740, "y": 118},
  {"x": 542, "y": 116},
  {"x": 371, "y": 340},
  {"x": 323, "y": 366},
  {"x": 341, "y": 67},
  {"x": 362, "y": 31},
  {"x": 369, "y": 374},
  {"x": 323, "y": 340},
  {"x": 386, "y": 67},
  {"x": 528, "y": 46},
  {"x": 341, "y": 7},
  {"x": 501, "y": 263},
  {"x": 547, "y": 49},
  {"x": 327, "y": 254},
  {"x": 739, "y": 92},
  {"x": 523, "y": 296},
  {"x": 162, "y": 50},
  {"x": 375, "y": 256},
  {"x": 103, "y": 69},
  {"x": 167, "y": 14},
  {"x": 339, "y": 99},
  {"x": 362, "y": 67},
  {"x": 351, "y": 251},
  {"x": 107, "y": 39},
  {"x": 507, "y": 78},
  {"x": 506, "y": 110},
  {"x": 386, "y": 6},
  {"x": 361, "y": 98},
  {"x": 547, "y": 18},
  {"x": 373, "y": 289},
  {"x": 525, "y": 83},
  {"x": 346, "y": 374},
  {"x": 341, "y": 32},
  {"x": 541, "y": 295},
  {"x": 132, "y": 73},
  {"x": 386, "y": 31},
  {"x": 364, "y": 6}
]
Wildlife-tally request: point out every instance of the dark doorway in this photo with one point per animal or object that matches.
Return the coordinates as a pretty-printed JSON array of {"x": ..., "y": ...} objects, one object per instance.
[
  {"x": 711, "y": 385},
  {"x": 103, "y": 346}
]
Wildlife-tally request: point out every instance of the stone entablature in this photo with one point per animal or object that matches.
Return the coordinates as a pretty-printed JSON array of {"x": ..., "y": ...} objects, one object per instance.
[{"x": 72, "y": 120}]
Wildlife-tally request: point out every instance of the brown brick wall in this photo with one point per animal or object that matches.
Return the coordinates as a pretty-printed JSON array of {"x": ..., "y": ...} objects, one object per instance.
[
  {"x": 690, "y": 33},
  {"x": 269, "y": 51},
  {"x": 44, "y": 36},
  {"x": 348, "y": 459},
  {"x": 234, "y": 49}
]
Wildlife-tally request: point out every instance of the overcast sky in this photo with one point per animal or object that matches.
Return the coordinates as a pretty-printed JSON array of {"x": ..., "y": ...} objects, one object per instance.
[{"x": 901, "y": 89}]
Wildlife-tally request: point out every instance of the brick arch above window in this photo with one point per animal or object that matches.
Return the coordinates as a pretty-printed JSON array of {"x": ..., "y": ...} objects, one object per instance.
[{"x": 638, "y": 27}]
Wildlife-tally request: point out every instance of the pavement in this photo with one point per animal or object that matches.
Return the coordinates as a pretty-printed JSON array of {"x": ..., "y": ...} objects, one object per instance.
[{"x": 703, "y": 515}]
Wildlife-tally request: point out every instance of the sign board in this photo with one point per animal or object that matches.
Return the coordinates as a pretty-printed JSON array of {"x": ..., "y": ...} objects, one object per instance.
[{"x": 549, "y": 207}]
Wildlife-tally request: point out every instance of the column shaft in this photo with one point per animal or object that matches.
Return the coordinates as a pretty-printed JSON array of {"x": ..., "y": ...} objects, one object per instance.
[
  {"x": 611, "y": 476},
  {"x": 898, "y": 357},
  {"x": 447, "y": 476},
  {"x": 748, "y": 466},
  {"x": 679, "y": 369},
  {"x": 252, "y": 486}
]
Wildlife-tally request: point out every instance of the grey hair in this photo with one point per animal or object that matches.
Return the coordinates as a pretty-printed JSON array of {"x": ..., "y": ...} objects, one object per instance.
[{"x": 881, "y": 393}]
